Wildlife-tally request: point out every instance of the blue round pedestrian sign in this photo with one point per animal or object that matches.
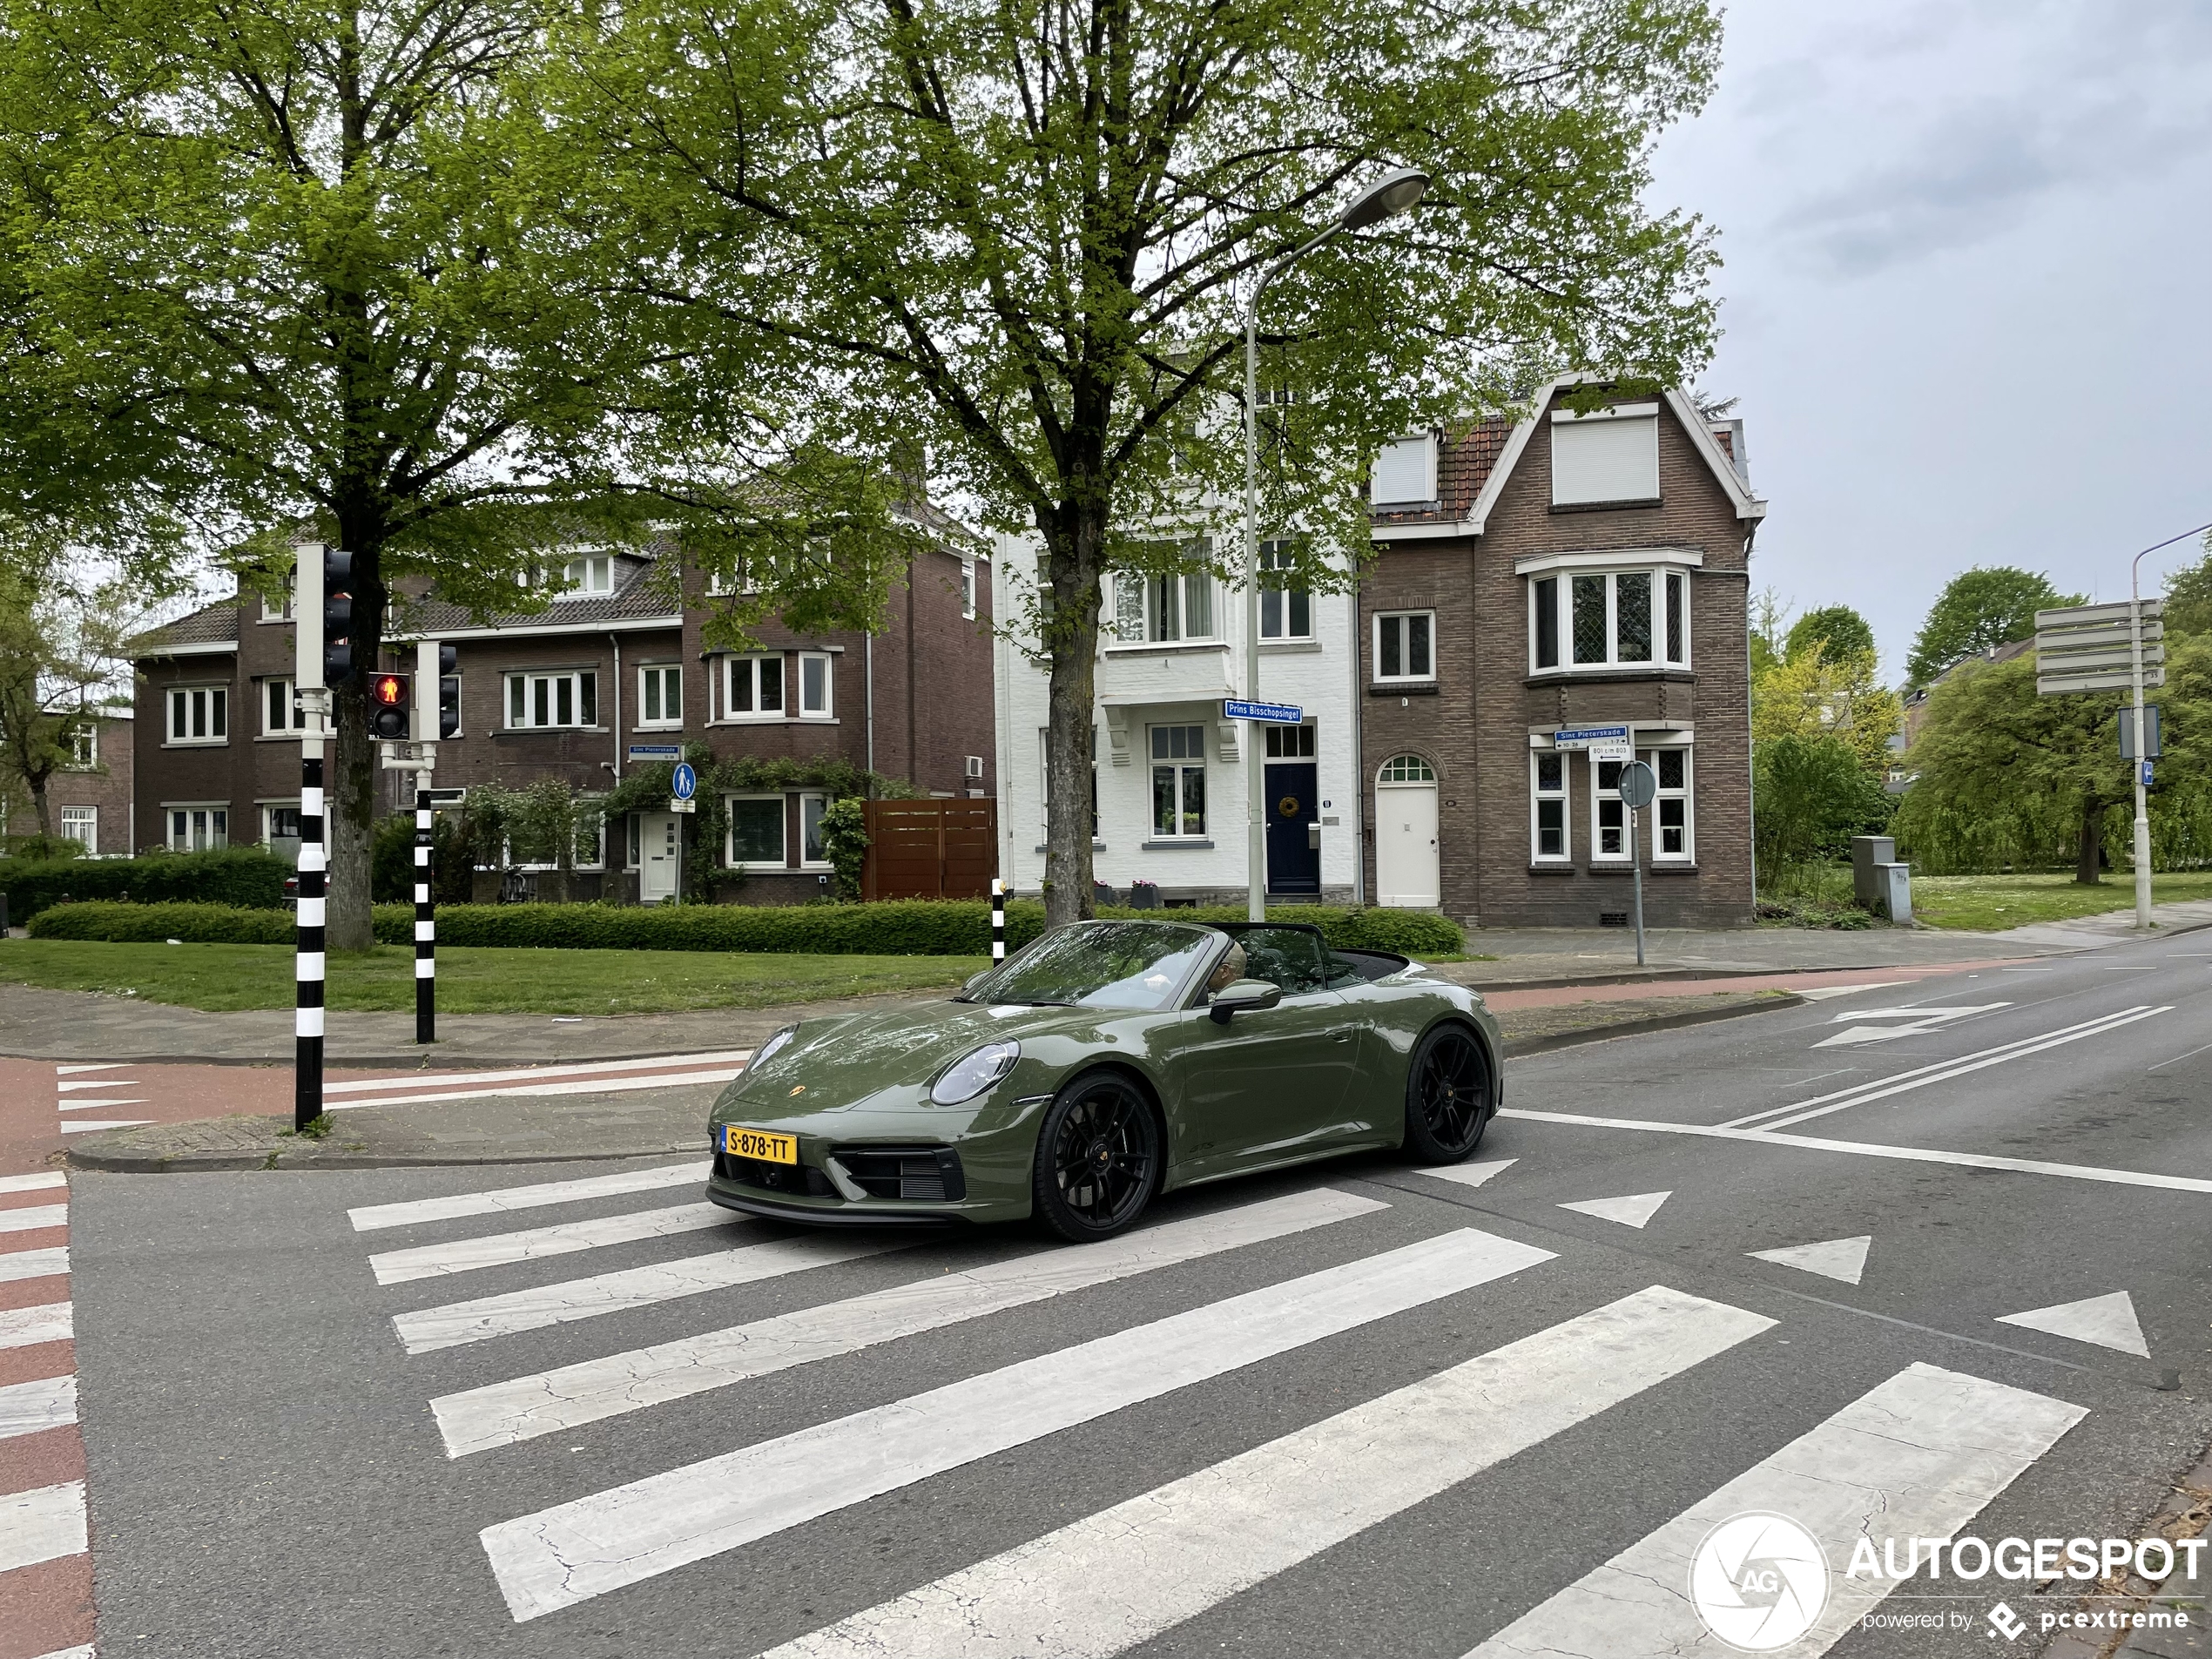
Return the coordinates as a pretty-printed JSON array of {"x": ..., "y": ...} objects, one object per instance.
[{"x": 685, "y": 782}]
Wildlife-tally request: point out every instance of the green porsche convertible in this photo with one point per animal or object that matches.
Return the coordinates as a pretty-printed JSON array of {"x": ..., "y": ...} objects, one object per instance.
[{"x": 1107, "y": 1061}]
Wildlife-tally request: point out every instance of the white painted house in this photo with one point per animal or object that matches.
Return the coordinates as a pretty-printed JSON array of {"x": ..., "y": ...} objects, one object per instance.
[{"x": 1171, "y": 794}]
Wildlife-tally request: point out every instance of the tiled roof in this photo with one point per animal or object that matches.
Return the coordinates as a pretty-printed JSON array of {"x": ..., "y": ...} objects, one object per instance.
[
  {"x": 210, "y": 624},
  {"x": 1462, "y": 467},
  {"x": 634, "y": 597}
]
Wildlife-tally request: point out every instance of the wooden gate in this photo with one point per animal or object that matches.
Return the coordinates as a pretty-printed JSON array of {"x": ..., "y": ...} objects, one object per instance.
[{"x": 930, "y": 849}]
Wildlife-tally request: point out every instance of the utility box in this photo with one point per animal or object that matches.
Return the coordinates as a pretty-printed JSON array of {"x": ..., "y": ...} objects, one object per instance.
[{"x": 1878, "y": 882}]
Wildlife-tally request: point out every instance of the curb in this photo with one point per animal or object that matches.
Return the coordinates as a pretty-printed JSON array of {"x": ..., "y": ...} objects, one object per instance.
[
  {"x": 1521, "y": 1047},
  {"x": 88, "y": 1158}
]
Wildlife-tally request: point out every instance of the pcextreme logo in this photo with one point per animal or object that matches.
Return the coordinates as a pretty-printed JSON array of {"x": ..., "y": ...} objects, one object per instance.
[{"x": 1758, "y": 1580}]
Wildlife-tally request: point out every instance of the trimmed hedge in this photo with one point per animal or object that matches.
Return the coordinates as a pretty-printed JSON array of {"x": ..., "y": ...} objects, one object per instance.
[
  {"x": 242, "y": 876},
  {"x": 913, "y": 927}
]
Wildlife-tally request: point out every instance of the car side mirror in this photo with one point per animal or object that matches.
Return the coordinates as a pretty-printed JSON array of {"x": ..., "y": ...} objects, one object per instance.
[
  {"x": 974, "y": 980},
  {"x": 1243, "y": 996}
]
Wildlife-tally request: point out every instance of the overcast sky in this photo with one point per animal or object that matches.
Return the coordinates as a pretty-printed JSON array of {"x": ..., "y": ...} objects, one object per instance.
[{"x": 1968, "y": 288}]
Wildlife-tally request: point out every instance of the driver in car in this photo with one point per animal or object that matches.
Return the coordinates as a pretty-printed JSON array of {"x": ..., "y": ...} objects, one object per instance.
[{"x": 1230, "y": 970}]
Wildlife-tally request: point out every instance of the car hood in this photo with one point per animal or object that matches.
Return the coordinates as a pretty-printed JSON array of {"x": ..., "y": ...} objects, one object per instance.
[{"x": 842, "y": 1062}]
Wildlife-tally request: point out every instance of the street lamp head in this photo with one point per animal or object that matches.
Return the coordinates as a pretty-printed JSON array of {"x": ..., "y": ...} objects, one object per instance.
[{"x": 1389, "y": 196}]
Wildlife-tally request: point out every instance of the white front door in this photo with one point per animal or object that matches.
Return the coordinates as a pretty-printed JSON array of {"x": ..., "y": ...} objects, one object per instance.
[
  {"x": 1405, "y": 862},
  {"x": 657, "y": 857}
]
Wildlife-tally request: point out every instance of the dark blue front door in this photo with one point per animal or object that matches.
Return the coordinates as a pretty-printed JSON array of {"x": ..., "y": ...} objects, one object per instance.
[{"x": 1293, "y": 860}]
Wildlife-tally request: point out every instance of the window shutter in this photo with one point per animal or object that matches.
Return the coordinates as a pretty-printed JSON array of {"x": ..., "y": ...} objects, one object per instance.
[
  {"x": 1405, "y": 472},
  {"x": 1605, "y": 458}
]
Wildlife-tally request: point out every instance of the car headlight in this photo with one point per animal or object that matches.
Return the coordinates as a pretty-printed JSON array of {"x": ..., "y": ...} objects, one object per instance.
[
  {"x": 971, "y": 1073},
  {"x": 767, "y": 1051}
]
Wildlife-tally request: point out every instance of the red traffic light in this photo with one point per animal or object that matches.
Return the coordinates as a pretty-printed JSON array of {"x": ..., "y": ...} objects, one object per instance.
[{"x": 390, "y": 691}]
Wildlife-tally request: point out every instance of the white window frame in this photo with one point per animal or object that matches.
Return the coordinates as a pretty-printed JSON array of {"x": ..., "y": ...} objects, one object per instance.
[
  {"x": 1539, "y": 797},
  {"x": 1180, "y": 766},
  {"x": 88, "y": 819},
  {"x": 805, "y": 860},
  {"x": 1375, "y": 644},
  {"x": 209, "y": 811},
  {"x": 659, "y": 676},
  {"x": 1138, "y": 604},
  {"x": 587, "y": 575},
  {"x": 1301, "y": 739},
  {"x": 825, "y": 663},
  {"x": 215, "y": 712},
  {"x": 1664, "y": 578},
  {"x": 782, "y": 860},
  {"x": 1273, "y": 556},
  {"x": 1621, "y": 427},
  {"x": 280, "y": 610},
  {"x": 968, "y": 590},
  {"x": 1402, "y": 467},
  {"x": 552, "y": 679},
  {"x": 1685, "y": 794},
  {"x": 269, "y": 810},
  {"x": 84, "y": 743},
  {"x": 296, "y": 720},
  {"x": 749, "y": 667},
  {"x": 1606, "y": 803}
]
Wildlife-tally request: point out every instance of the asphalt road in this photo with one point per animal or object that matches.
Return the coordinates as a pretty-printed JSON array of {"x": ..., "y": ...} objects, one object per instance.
[{"x": 1358, "y": 1410}]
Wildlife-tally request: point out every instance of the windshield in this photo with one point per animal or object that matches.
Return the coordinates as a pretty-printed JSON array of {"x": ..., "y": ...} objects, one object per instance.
[{"x": 1099, "y": 965}]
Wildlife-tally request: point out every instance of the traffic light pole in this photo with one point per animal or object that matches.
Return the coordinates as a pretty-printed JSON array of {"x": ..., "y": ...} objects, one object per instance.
[
  {"x": 308, "y": 968},
  {"x": 427, "y": 709}
]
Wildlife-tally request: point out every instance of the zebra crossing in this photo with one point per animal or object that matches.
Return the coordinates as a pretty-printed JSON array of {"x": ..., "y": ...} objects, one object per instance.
[{"x": 1930, "y": 1448}]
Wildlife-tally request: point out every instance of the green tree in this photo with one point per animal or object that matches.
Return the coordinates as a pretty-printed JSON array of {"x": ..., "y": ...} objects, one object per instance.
[
  {"x": 2188, "y": 596},
  {"x": 1835, "y": 633},
  {"x": 1021, "y": 234},
  {"x": 1978, "y": 609},
  {"x": 1812, "y": 795}
]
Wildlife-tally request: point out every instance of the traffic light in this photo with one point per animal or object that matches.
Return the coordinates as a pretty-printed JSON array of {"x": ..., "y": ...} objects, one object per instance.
[
  {"x": 449, "y": 705},
  {"x": 388, "y": 705},
  {"x": 337, "y": 616}
]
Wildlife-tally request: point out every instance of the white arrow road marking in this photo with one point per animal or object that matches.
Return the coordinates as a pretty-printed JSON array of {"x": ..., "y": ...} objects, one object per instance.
[
  {"x": 99, "y": 1083},
  {"x": 1916, "y": 1022},
  {"x": 1822, "y": 993},
  {"x": 1120, "y": 1577},
  {"x": 1631, "y": 1212},
  {"x": 1467, "y": 1175},
  {"x": 103, "y": 1065},
  {"x": 574, "y": 1551},
  {"x": 2109, "y": 1321},
  {"x": 42, "y": 1525},
  {"x": 85, "y": 1105},
  {"x": 1921, "y": 1455},
  {"x": 86, "y": 1129},
  {"x": 1843, "y": 1258}
]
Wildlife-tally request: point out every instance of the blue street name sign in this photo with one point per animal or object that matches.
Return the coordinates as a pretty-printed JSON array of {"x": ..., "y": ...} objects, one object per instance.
[
  {"x": 1583, "y": 737},
  {"x": 1274, "y": 713},
  {"x": 655, "y": 752},
  {"x": 685, "y": 782}
]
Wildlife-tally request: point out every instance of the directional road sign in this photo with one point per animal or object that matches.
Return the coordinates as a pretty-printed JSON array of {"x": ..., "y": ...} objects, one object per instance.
[
  {"x": 2092, "y": 648},
  {"x": 684, "y": 782},
  {"x": 1273, "y": 713}
]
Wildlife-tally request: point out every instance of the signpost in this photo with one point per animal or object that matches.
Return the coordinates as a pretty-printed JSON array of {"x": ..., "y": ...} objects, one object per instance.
[
  {"x": 1236, "y": 708},
  {"x": 683, "y": 784},
  {"x": 2111, "y": 648},
  {"x": 1639, "y": 787}
]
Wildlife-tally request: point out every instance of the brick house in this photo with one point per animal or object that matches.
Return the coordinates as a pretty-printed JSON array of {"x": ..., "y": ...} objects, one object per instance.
[
  {"x": 89, "y": 800},
  {"x": 615, "y": 664},
  {"x": 1563, "y": 572}
]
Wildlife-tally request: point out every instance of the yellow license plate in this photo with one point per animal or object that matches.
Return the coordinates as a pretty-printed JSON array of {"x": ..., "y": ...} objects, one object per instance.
[{"x": 760, "y": 1144}]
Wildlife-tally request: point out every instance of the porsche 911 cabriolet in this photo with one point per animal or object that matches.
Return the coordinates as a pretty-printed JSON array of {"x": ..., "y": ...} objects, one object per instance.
[{"x": 1104, "y": 1064}]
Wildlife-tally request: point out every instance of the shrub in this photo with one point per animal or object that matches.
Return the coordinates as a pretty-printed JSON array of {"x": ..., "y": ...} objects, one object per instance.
[
  {"x": 241, "y": 876},
  {"x": 906, "y": 928},
  {"x": 391, "y": 860}
]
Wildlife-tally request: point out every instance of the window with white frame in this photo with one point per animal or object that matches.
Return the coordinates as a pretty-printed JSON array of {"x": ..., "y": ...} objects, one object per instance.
[
  {"x": 1671, "y": 838},
  {"x": 1285, "y": 610},
  {"x": 83, "y": 744},
  {"x": 1178, "y": 782},
  {"x": 277, "y": 608},
  {"x": 816, "y": 686},
  {"x": 1161, "y": 609},
  {"x": 281, "y": 713},
  {"x": 82, "y": 826},
  {"x": 752, "y": 687},
  {"x": 1291, "y": 742},
  {"x": 1548, "y": 810},
  {"x": 592, "y": 573},
  {"x": 1404, "y": 645},
  {"x": 199, "y": 714},
  {"x": 1597, "y": 619},
  {"x": 1606, "y": 456},
  {"x": 279, "y": 821},
  {"x": 811, "y": 848},
  {"x": 552, "y": 700},
  {"x": 968, "y": 588},
  {"x": 1608, "y": 816},
  {"x": 660, "y": 695},
  {"x": 756, "y": 836},
  {"x": 198, "y": 829}
]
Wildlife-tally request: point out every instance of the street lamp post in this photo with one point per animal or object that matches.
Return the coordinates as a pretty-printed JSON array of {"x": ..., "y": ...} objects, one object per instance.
[{"x": 1393, "y": 193}]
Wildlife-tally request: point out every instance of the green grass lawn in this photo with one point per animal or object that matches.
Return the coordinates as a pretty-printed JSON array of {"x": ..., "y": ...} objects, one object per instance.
[
  {"x": 224, "y": 978},
  {"x": 1989, "y": 903}
]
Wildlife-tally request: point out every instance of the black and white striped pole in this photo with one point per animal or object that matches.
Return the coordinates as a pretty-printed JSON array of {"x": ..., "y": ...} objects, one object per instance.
[
  {"x": 427, "y": 703},
  {"x": 998, "y": 919},
  {"x": 317, "y": 603}
]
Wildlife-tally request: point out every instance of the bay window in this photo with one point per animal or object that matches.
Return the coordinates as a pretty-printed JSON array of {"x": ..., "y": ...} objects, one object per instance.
[
  {"x": 1160, "y": 610},
  {"x": 1597, "y": 619},
  {"x": 753, "y": 688}
]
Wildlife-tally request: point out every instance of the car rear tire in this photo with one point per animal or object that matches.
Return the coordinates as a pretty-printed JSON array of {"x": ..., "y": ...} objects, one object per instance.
[
  {"x": 1449, "y": 1095},
  {"x": 1097, "y": 1160}
]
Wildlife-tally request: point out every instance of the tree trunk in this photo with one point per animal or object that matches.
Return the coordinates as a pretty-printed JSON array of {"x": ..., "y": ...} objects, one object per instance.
[
  {"x": 1073, "y": 546},
  {"x": 2088, "y": 856},
  {"x": 38, "y": 805}
]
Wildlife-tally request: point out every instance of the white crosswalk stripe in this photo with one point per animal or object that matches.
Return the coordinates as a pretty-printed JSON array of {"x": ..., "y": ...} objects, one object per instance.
[
  {"x": 42, "y": 1525},
  {"x": 33, "y": 1263},
  {"x": 25, "y": 1327},
  {"x": 630, "y": 1287},
  {"x": 1124, "y": 1574},
  {"x": 370, "y": 1218},
  {"x": 546, "y": 1402},
  {"x": 44, "y": 1403},
  {"x": 575, "y": 1551},
  {"x": 26, "y": 1218},
  {"x": 1925, "y": 1452},
  {"x": 503, "y": 1250},
  {"x": 40, "y": 1181}
]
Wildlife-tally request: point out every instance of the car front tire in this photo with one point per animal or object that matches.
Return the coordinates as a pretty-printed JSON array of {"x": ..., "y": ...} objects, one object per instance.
[
  {"x": 1097, "y": 1160},
  {"x": 1450, "y": 1091}
]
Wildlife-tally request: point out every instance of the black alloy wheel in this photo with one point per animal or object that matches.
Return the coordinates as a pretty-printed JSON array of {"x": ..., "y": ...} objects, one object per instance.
[
  {"x": 1098, "y": 1158},
  {"x": 1448, "y": 1095}
]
